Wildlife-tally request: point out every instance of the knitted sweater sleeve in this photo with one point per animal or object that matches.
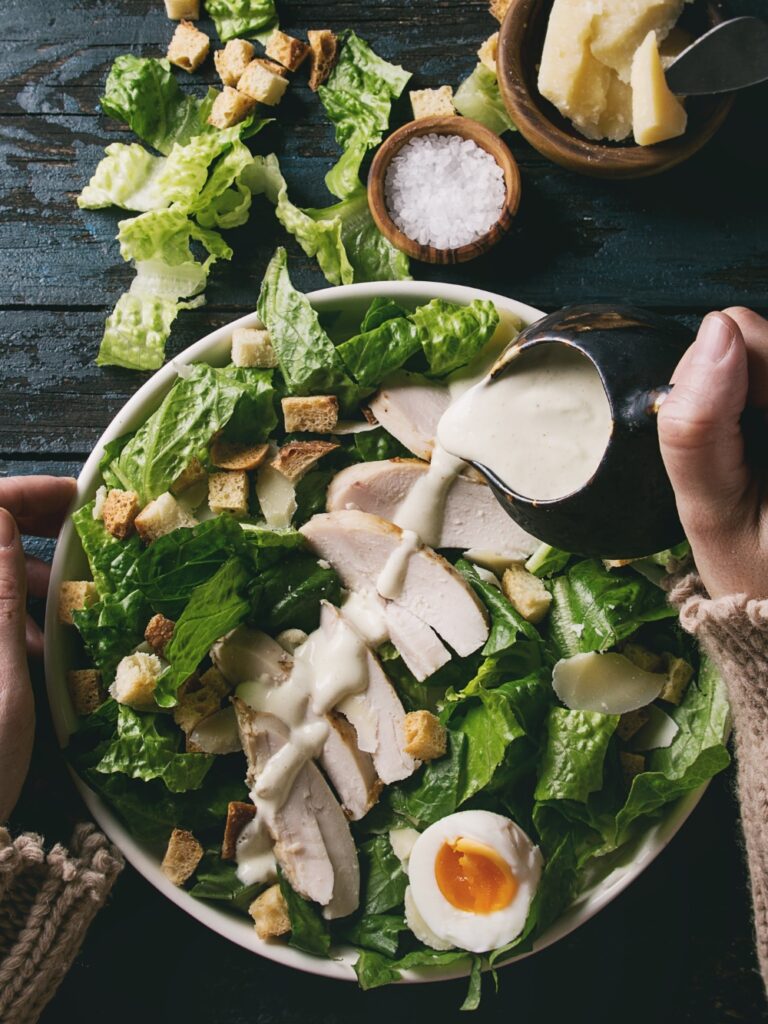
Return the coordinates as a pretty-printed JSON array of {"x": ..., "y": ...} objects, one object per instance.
[
  {"x": 734, "y": 632},
  {"x": 47, "y": 902}
]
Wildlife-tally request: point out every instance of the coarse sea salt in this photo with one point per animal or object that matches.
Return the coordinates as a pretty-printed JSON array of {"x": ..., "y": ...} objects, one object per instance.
[{"x": 444, "y": 191}]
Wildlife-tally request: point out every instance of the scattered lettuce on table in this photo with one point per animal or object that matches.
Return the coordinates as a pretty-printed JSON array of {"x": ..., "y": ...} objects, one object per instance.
[
  {"x": 245, "y": 18},
  {"x": 479, "y": 97}
]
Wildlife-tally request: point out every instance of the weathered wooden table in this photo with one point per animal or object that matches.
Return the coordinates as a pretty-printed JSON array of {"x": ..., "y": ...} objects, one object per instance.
[{"x": 678, "y": 945}]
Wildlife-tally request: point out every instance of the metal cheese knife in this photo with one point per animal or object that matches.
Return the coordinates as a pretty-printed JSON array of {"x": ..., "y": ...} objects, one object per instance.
[{"x": 730, "y": 56}]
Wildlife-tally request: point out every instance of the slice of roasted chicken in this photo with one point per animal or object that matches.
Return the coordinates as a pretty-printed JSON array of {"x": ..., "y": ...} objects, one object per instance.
[
  {"x": 417, "y": 643},
  {"x": 359, "y": 545},
  {"x": 313, "y": 843},
  {"x": 409, "y": 408},
  {"x": 350, "y": 770},
  {"x": 472, "y": 517}
]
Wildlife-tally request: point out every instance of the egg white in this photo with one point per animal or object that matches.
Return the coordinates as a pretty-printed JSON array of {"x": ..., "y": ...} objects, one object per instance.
[{"x": 477, "y": 933}]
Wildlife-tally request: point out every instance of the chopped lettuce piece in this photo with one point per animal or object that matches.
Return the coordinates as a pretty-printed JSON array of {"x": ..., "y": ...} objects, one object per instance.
[
  {"x": 248, "y": 18},
  {"x": 379, "y": 311},
  {"x": 372, "y": 356},
  {"x": 507, "y": 624},
  {"x": 546, "y": 561},
  {"x": 309, "y": 932},
  {"x": 288, "y": 594},
  {"x": 216, "y": 879},
  {"x": 377, "y": 932},
  {"x": 126, "y": 177},
  {"x": 137, "y": 329},
  {"x": 110, "y": 560},
  {"x": 111, "y": 628},
  {"x": 572, "y": 763},
  {"x": 478, "y": 97},
  {"x": 374, "y": 969},
  {"x": 358, "y": 99},
  {"x": 385, "y": 881},
  {"x": 451, "y": 335}
]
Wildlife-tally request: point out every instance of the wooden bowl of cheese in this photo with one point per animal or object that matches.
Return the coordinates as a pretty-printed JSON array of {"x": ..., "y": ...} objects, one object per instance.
[{"x": 602, "y": 92}]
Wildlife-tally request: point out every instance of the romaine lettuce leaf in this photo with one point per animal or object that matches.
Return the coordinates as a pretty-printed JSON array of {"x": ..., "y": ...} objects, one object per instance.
[
  {"x": 547, "y": 561},
  {"x": 358, "y": 99},
  {"x": 113, "y": 627},
  {"x": 428, "y": 796},
  {"x": 384, "y": 881},
  {"x": 374, "y": 969},
  {"x": 508, "y": 626},
  {"x": 216, "y": 879},
  {"x": 379, "y": 311},
  {"x": 377, "y": 932},
  {"x": 137, "y": 329},
  {"x": 288, "y": 594},
  {"x": 309, "y": 932},
  {"x": 377, "y": 444},
  {"x": 374, "y": 355},
  {"x": 247, "y": 18},
  {"x": 572, "y": 763},
  {"x": 478, "y": 97},
  {"x": 148, "y": 746},
  {"x": 127, "y": 176},
  {"x": 110, "y": 559},
  {"x": 451, "y": 335}
]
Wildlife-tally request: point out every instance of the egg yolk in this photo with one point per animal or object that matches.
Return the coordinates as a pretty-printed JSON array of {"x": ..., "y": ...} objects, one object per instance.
[{"x": 473, "y": 877}]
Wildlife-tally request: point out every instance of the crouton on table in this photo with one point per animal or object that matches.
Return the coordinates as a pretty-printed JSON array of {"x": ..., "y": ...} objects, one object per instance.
[
  {"x": 238, "y": 454},
  {"x": 317, "y": 414},
  {"x": 177, "y": 10},
  {"x": 251, "y": 346},
  {"x": 297, "y": 457},
  {"x": 188, "y": 47},
  {"x": 119, "y": 512},
  {"x": 74, "y": 596},
  {"x": 286, "y": 50},
  {"x": 136, "y": 680},
  {"x": 182, "y": 856},
  {"x": 85, "y": 690},
  {"x": 159, "y": 632},
  {"x": 270, "y": 914},
  {"x": 425, "y": 736},
  {"x": 228, "y": 492},
  {"x": 526, "y": 593},
  {"x": 324, "y": 47},
  {"x": 232, "y": 61},
  {"x": 239, "y": 814},
  {"x": 162, "y": 516},
  {"x": 263, "y": 81},
  {"x": 432, "y": 102},
  {"x": 230, "y": 107}
]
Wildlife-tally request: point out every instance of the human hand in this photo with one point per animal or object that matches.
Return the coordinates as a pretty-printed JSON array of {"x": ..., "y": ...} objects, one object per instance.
[
  {"x": 718, "y": 473},
  {"x": 33, "y": 505}
]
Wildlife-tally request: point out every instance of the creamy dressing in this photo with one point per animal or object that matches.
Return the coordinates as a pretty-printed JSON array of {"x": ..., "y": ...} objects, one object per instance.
[
  {"x": 334, "y": 665},
  {"x": 366, "y": 611},
  {"x": 391, "y": 579},
  {"x": 253, "y": 854},
  {"x": 542, "y": 427},
  {"x": 423, "y": 509}
]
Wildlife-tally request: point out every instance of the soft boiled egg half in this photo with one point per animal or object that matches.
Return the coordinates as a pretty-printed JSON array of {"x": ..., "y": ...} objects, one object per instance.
[{"x": 472, "y": 878}]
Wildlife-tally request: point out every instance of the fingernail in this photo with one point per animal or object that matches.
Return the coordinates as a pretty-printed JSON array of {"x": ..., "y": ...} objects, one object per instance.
[
  {"x": 714, "y": 340},
  {"x": 7, "y": 529}
]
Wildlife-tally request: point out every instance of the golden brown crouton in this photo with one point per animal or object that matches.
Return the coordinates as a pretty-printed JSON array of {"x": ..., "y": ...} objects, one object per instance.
[
  {"x": 135, "y": 681},
  {"x": 162, "y": 516},
  {"x": 317, "y": 414},
  {"x": 631, "y": 722},
  {"x": 526, "y": 593},
  {"x": 85, "y": 690},
  {"x": 238, "y": 816},
  {"x": 232, "y": 61},
  {"x": 286, "y": 50},
  {"x": 230, "y": 107},
  {"x": 74, "y": 595},
  {"x": 263, "y": 81},
  {"x": 179, "y": 9},
  {"x": 489, "y": 51},
  {"x": 679, "y": 674},
  {"x": 270, "y": 914},
  {"x": 251, "y": 346},
  {"x": 193, "y": 473},
  {"x": 631, "y": 765},
  {"x": 119, "y": 511},
  {"x": 188, "y": 47},
  {"x": 325, "y": 50},
  {"x": 643, "y": 658},
  {"x": 297, "y": 457},
  {"x": 499, "y": 8},
  {"x": 237, "y": 455},
  {"x": 159, "y": 632},
  {"x": 425, "y": 737},
  {"x": 432, "y": 102},
  {"x": 182, "y": 856},
  {"x": 228, "y": 492}
]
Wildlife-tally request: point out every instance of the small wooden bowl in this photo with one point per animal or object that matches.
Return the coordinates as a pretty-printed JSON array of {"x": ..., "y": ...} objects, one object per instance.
[
  {"x": 521, "y": 41},
  {"x": 467, "y": 129}
]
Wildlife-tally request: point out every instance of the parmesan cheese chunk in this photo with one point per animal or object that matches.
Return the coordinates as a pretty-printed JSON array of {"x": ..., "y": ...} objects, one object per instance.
[{"x": 657, "y": 114}]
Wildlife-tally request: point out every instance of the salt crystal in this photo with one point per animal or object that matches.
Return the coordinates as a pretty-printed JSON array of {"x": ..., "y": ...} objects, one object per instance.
[{"x": 444, "y": 191}]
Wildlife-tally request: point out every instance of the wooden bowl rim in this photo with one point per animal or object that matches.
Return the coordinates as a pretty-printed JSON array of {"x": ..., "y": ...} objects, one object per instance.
[
  {"x": 467, "y": 128},
  {"x": 528, "y": 109}
]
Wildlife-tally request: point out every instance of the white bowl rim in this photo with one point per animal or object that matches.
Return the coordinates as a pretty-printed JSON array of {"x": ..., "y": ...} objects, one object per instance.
[{"x": 238, "y": 929}]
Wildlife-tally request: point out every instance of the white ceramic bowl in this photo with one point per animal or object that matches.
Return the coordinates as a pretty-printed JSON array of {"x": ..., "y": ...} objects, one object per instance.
[{"x": 69, "y": 563}]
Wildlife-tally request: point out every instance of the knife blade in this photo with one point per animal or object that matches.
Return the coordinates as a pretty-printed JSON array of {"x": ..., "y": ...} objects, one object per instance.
[{"x": 732, "y": 55}]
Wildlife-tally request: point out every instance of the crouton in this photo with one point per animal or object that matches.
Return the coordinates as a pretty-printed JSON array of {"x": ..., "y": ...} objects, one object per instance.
[
  {"x": 230, "y": 108},
  {"x": 290, "y": 639},
  {"x": 135, "y": 681},
  {"x": 617, "y": 563},
  {"x": 232, "y": 61},
  {"x": 159, "y": 632},
  {"x": 74, "y": 596},
  {"x": 238, "y": 455},
  {"x": 499, "y": 8},
  {"x": 178, "y": 10},
  {"x": 432, "y": 102},
  {"x": 286, "y": 50},
  {"x": 425, "y": 737},
  {"x": 228, "y": 492},
  {"x": 263, "y": 81},
  {"x": 642, "y": 657},
  {"x": 526, "y": 593},
  {"x": 188, "y": 47},
  {"x": 193, "y": 473},
  {"x": 182, "y": 856},
  {"x": 679, "y": 674},
  {"x": 631, "y": 722},
  {"x": 239, "y": 814},
  {"x": 297, "y": 457},
  {"x": 270, "y": 914},
  {"x": 193, "y": 706},
  {"x": 251, "y": 346},
  {"x": 489, "y": 51},
  {"x": 214, "y": 681},
  {"x": 119, "y": 512},
  {"x": 318, "y": 414},
  {"x": 631, "y": 765},
  {"x": 162, "y": 516},
  {"x": 325, "y": 50},
  {"x": 85, "y": 690}
]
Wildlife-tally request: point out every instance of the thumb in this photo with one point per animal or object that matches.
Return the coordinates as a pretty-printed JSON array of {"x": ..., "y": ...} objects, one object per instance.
[
  {"x": 16, "y": 704},
  {"x": 699, "y": 426}
]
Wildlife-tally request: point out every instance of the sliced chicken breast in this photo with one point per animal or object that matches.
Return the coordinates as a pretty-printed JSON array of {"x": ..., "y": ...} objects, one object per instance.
[
  {"x": 417, "y": 643},
  {"x": 409, "y": 408},
  {"x": 359, "y": 545},
  {"x": 246, "y": 655},
  {"x": 349, "y": 769},
  {"x": 472, "y": 517},
  {"x": 313, "y": 844}
]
